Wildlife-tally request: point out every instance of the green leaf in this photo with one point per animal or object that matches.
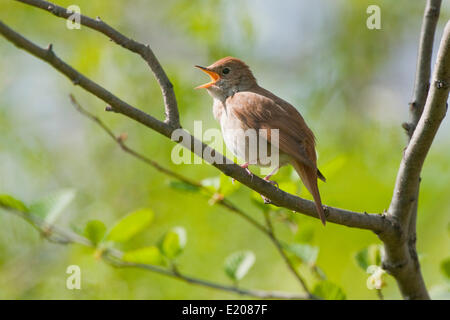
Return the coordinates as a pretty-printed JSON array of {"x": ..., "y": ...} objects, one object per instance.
[
  {"x": 305, "y": 234},
  {"x": 213, "y": 184},
  {"x": 183, "y": 186},
  {"x": 227, "y": 186},
  {"x": 95, "y": 231},
  {"x": 445, "y": 268},
  {"x": 238, "y": 264},
  {"x": 174, "y": 242},
  {"x": 8, "y": 202},
  {"x": 147, "y": 255},
  {"x": 130, "y": 225},
  {"x": 51, "y": 206},
  {"x": 328, "y": 291},
  {"x": 369, "y": 256},
  {"x": 305, "y": 252}
]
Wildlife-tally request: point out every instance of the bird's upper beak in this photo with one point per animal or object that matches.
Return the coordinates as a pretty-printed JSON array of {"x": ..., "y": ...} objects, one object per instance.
[{"x": 214, "y": 77}]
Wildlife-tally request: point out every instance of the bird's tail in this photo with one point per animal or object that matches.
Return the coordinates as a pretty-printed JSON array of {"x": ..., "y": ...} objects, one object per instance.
[{"x": 309, "y": 178}]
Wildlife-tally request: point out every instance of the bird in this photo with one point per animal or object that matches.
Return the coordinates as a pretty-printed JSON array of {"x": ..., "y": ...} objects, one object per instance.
[{"x": 241, "y": 104}]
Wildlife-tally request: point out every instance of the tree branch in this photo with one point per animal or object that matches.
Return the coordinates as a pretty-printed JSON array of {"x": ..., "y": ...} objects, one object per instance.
[
  {"x": 113, "y": 256},
  {"x": 374, "y": 222},
  {"x": 399, "y": 260},
  {"x": 420, "y": 93},
  {"x": 222, "y": 201}
]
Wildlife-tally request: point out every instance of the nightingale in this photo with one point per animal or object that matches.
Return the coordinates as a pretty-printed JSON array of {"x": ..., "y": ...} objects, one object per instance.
[{"x": 241, "y": 104}]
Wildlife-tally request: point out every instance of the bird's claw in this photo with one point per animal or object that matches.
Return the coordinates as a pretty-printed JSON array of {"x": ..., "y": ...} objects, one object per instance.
[
  {"x": 267, "y": 200},
  {"x": 244, "y": 166}
]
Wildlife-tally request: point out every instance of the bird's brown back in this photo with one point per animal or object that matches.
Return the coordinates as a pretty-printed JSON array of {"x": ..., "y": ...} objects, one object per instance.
[{"x": 258, "y": 108}]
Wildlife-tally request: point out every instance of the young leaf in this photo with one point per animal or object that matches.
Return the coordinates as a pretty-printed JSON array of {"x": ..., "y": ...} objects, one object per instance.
[
  {"x": 174, "y": 242},
  {"x": 51, "y": 207},
  {"x": 238, "y": 264},
  {"x": 8, "y": 202},
  {"x": 213, "y": 184},
  {"x": 305, "y": 252},
  {"x": 130, "y": 225},
  {"x": 183, "y": 186},
  {"x": 328, "y": 291},
  {"x": 445, "y": 267},
  {"x": 95, "y": 231},
  {"x": 147, "y": 255}
]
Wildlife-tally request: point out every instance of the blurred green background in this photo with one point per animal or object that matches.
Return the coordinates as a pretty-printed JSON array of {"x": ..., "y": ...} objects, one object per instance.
[{"x": 351, "y": 84}]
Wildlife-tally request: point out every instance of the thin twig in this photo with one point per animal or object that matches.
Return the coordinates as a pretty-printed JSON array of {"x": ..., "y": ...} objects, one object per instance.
[
  {"x": 399, "y": 260},
  {"x": 170, "y": 102},
  {"x": 114, "y": 257},
  {"x": 423, "y": 70},
  {"x": 420, "y": 93},
  {"x": 221, "y": 201},
  {"x": 379, "y": 294},
  {"x": 280, "y": 249}
]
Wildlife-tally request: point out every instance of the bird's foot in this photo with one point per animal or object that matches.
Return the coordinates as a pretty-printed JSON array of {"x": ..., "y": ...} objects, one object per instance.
[
  {"x": 244, "y": 166},
  {"x": 272, "y": 182},
  {"x": 265, "y": 199}
]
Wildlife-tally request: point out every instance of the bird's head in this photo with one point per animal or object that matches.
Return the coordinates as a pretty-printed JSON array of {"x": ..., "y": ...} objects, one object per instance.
[{"x": 228, "y": 76}]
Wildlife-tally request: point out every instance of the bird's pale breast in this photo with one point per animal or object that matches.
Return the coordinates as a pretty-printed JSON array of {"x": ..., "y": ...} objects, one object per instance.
[{"x": 246, "y": 143}]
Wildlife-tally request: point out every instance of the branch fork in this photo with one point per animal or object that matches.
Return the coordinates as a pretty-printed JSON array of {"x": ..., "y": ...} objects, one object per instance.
[{"x": 397, "y": 228}]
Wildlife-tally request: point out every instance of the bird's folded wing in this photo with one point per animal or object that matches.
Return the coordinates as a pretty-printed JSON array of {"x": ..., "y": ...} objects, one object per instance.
[{"x": 260, "y": 109}]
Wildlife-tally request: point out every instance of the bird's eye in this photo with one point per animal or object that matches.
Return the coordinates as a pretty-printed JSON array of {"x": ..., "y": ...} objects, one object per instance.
[{"x": 226, "y": 70}]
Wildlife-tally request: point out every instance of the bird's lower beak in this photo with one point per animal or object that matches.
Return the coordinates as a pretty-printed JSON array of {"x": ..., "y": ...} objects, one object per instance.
[{"x": 214, "y": 77}]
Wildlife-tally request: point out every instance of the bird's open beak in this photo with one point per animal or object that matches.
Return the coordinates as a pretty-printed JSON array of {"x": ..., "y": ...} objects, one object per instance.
[{"x": 214, "y": 77}]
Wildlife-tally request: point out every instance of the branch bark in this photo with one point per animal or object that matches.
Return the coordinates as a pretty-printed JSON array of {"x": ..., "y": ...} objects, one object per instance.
[
  {"x": 170, "y": 101},
  {"x": 222, "y": 201},
  {"x": 392, "y": 228},
  {"x": 423, "y": 70},
  {"x": 420, "y": 93},
  {"x": 400, "y": 260}
]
